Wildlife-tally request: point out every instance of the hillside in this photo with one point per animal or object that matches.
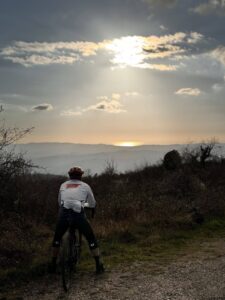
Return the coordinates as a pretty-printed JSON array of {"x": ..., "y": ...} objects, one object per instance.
[
  {"x": 57, "y": 158},
  {"x": 150, "y": 208}
]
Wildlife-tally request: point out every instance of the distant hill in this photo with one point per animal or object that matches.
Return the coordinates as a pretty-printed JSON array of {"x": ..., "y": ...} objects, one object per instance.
[{"x": 57, "y": 158}]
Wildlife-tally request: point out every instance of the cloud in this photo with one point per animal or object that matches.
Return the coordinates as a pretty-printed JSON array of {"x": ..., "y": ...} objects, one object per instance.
[
  {"x": 162, "y": 27},
  {"x": 159, "y": 67},
  {"x": 138, "y": 51},
  {"x": 106, "y": 104},
  {"x": 210, "y": 7},
  {"x": 109, "y": 105},
  {"x": 194, "y": 37},
  {"x": 219, "y": 54},
  {"x": 42, "y": 60},
  {"x": 188, "y": 91},
  {"x": 42, "y": 107},
  {"x": 37, "y": 53},
  {"x": 127, "y": 51},
  {"x": 218, "y": 87},
  {"x": 84, "y": 48},
  {"x": 162, "y": 3}
]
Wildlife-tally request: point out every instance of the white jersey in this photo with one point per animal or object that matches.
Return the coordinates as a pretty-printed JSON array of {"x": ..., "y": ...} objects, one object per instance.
[{"x": 75, "y": 194}]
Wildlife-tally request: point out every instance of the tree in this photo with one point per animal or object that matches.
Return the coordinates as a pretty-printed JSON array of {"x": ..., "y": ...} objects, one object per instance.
[
  {"x": 206, "y": 151},
  {"x": 12, "y": 165},
  {"x": 199, "y": 153}
]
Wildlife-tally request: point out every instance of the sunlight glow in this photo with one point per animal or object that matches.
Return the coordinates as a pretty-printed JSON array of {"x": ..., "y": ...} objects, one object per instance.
[
  {"x": 127, "y": 144},
  {"x": 128, "y": 51}
]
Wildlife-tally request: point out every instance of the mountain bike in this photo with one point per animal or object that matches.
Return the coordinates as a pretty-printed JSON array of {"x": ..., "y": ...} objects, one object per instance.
[{"x": 70, "y": 253}]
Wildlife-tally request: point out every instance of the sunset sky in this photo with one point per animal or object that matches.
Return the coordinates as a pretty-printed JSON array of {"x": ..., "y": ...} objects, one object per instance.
[{"x": 114, "y": 72}]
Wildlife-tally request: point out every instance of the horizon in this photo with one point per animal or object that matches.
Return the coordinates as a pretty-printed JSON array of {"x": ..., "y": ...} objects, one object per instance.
[
  {"x": 132, "y": 72},
  {"x": 122, "y": 146}
]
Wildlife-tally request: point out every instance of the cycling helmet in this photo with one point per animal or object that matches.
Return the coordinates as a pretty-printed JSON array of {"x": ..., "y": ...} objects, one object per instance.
[{"x": 75, "y": 171}]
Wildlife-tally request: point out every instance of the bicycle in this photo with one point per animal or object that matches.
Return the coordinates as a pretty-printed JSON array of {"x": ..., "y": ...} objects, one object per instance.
[{"x": 70, "y": 253}]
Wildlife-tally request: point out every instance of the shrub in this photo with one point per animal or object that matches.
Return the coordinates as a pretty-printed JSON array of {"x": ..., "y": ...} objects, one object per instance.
[{"x": 172, "y": 160}]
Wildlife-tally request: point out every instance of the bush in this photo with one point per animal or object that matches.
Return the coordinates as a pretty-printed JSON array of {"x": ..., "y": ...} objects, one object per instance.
[{"x": 172, "y": 160}]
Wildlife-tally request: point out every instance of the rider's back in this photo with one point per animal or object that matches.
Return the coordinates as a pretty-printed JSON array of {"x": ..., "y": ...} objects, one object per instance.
[{"x": 74, "y": 194}]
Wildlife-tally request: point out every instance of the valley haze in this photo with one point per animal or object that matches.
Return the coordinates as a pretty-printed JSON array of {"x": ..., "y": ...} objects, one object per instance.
[{"x": 57, "y": 158}]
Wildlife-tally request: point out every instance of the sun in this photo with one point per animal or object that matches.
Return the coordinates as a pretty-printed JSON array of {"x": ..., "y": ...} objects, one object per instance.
[
  {"x": 127, "y": 144},
  {"x": 128, "y": 51}
]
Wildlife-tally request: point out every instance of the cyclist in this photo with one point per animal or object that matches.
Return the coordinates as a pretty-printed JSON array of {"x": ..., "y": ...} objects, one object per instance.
[{"x": 74, "y": 195}]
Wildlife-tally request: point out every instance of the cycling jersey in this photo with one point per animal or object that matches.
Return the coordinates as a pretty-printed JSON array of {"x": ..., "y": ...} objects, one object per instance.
[{"x": 75, "y": 194}]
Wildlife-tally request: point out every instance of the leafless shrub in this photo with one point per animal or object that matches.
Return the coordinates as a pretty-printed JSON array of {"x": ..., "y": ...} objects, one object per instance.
[
  {"x": 200, "y": 153},
  {"x": 12, "y": 165},
  {"x": 110, "y": 168}
]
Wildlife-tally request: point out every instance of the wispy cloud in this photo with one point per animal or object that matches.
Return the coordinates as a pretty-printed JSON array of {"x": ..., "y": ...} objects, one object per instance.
[
  {"x": 42, "y": 107},
  {"x": 218, "y": 87},
  {"x": 219, "y": 54},
  {"x": 128, "y": 51},
  {"x": 162, "y": 27},
  {"x": 188, "y": 91},
  {"x": 105, "y": 104},
  {"x": 42, "y": 60},
  {"x": 209, "y": 7},
  {"x": 163, "y": 3},
  {"x": 159, "y": 67},
  {"x": 36, "y": 53}
]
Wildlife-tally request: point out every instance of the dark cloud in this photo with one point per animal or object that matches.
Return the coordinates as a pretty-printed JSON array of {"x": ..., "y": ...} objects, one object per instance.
[
  {"x": 101, "y": 106},
  {"x": 42, "y": 107},
  {"x": 157, "y": 50}
]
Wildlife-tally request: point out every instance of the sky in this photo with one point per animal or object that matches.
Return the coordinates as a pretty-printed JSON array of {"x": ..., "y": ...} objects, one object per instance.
[{"x": 114, "y": 72}]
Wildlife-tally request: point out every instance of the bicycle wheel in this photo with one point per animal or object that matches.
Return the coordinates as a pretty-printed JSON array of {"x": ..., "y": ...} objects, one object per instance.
[
  {"x": 77, "y": 247},
  {"x": 66, "y": 263}
]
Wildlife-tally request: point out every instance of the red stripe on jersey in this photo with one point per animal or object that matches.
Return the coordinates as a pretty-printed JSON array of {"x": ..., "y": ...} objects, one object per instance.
[{"x": 72, "y": 185}]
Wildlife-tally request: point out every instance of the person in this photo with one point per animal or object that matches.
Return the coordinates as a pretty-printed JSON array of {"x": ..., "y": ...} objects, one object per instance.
[{"x": 74, "y": 195}]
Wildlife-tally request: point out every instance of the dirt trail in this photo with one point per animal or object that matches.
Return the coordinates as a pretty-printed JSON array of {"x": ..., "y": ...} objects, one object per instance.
[{"x": 199, "y": 275}]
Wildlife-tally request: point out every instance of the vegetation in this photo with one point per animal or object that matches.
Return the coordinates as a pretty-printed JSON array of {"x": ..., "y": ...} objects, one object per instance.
[{"x": 151, "y": 209}]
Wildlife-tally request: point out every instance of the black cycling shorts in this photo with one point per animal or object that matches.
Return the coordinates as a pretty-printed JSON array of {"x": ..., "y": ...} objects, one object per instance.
[{"x": 68, "y": 217}]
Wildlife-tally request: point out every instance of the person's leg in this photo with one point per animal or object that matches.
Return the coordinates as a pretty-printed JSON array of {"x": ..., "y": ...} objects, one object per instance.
[
  {"x": 85, "y": 228},
  {"x": 61, "y": 227}
]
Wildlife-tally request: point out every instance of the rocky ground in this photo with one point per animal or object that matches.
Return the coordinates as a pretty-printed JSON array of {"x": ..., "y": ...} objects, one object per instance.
[{"x": 193, "y": 275}]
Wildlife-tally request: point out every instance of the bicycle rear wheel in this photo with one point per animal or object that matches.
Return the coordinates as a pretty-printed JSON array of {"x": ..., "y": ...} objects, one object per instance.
[
  {"x": 77, "y": 247},
  {"x": 66, "y": 263}
]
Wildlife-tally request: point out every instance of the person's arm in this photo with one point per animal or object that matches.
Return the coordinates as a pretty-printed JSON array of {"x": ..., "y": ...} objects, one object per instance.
[
  {"x": 59, "y": 197},
  {"x": 90, "y": 200}
]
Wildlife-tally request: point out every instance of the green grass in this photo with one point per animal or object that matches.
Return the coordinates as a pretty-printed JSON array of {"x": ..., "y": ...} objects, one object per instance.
[
  {"x": 152, "y": 245},
  {"x": 139, "y": 243}
]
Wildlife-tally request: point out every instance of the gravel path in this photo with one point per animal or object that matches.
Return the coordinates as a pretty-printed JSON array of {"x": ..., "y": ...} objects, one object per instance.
[{"x": 193, "y": 276}]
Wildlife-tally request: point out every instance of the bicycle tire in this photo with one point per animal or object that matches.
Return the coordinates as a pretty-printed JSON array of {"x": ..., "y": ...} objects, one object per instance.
[
  {"x": 69, "y": 256},
  {"x": 77, "y": 247},
  {"x": 65, "y": 262}
]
